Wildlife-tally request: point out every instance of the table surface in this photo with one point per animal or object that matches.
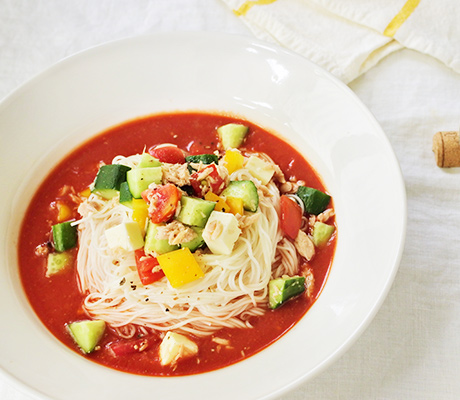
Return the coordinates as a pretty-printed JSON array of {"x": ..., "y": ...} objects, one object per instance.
[{"x": 411, "y": 350}]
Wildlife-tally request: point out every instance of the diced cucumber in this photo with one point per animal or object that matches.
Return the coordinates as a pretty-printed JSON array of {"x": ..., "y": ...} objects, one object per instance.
[
  {"x": 139, "y": 179},
  {"x": 322, "y": 233},
  {"x": 282, "y": 289},
  {"x": 200, "y": 158},
  {"x": 232, "y": 135},
  {"x": 58, "y": 262},
  {"x": 245, "y": 190},
  {"x": 64, "y": 236},
  {"x": 314, "y": 200},
  {"x": 109, "y": 179},
  {"x": 194, "y": 211},
  {"x": 197, "y": 242},
  {"x": 152, "y": 244},
  {"x": 87, "y": 333},
  {"x": 260, "y": 169},
  {"x": 126, "y": 198},
  {"x": 148, "y": 161}
]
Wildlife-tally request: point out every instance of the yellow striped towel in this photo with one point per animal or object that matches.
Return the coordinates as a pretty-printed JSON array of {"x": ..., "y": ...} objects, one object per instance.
[{"x": 347, "y": 37}]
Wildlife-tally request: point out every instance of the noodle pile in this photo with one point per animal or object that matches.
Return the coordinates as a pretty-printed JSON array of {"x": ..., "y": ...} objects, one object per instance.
[{"x": 233, "y": 288}]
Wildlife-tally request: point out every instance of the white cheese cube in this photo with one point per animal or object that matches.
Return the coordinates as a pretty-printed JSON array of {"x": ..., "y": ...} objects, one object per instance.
[
  {"x": 127, "y": 236},
  {"x": 221, "y": 232},
  {"x": 175, "y": 346},
  {"x": 260, "y": 169}
]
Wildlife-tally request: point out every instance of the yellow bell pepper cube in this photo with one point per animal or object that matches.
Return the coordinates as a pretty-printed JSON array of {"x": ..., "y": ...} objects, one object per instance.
[
  {"x": 140, "y": 213},
  {"x": 236, "y": 205},
  {"x": 233, "y": 160},
  {"x": 64, "y": 211},
  {"x": 221, "y": 205},
  {"x": 180, "y": 267},
  {"x": 85, "y": 193}
]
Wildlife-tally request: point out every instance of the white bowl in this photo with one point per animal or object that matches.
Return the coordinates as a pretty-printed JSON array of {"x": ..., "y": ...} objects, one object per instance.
[{"x": 106, "y": 85}]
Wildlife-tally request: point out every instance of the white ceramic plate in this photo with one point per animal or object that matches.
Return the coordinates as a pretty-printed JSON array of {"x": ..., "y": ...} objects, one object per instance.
[{"x": 281, "y": 91}]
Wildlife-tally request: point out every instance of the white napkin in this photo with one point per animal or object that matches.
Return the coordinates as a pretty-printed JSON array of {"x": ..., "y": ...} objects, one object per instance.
[{"x": 347, "y": 37}]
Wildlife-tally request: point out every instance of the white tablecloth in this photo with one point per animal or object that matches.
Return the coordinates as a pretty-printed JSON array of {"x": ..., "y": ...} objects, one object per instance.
[{"x": 412, "y": 348}]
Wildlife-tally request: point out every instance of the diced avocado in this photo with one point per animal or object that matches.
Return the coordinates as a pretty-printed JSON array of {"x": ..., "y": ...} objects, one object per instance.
[
  {"x": 58, "y": 262},
  {"x": 200, "y": 158},
  {"x": 139, "y": 179},
  {"x": 64, "y": 236},
  {"x": 127, "y": 235},
  {"x": 322, "y": 233},
  {"x": 109, "y": 179},
  {"x": 260, "y": 169},
  {"x": 197, "y": 242},
  {"x": 221, "y": 232},
  {"x": 152, "y": 244},
  {"x": 232, "y": 135},
  {"x": 194, "y": 211},
  {"x": 148, "y": 161},
  {"x": 126, "y": 198},
  {"x": 87, "y": 333},
  {"x": 314, "y": 200},
  {"x": 245, "y": 190},
  {"x": 282, "y": 289}
]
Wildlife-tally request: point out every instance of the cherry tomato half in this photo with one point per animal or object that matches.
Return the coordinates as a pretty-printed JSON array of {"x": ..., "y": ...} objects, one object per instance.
[
  {"x": 168, "y": 154},
  {"x": 291, "y": 217},
  {"x": 163, "y": 201}
]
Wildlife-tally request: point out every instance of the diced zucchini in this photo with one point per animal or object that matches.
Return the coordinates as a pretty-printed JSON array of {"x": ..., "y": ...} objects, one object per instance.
[
  {"x": 322, "y": 233},
  {"x": 126, "y": 198},
  {"x": 260, "y": 169},
  {"x": 127, "y": 235},
  {"x": 232, "y": 135},
  {"x": 200, "y": 158},
  {"x": 139, "y": 179},
  {"x": 180, "y": 267},
  {"x": 152, "y": 244},
  {"x": 314, "y": 200},
  {"x": 197, "y": 242},
  {"x": 64, "y": 236},
  {"x": 87, "y": 333},
  {"x": 109, "y": 179},
  {"x": 245, "y": 190},
  {"x": 221, "y": 232},
  {"x": 148, "y": 161},
  {"x": 194, "y": 211},
  {"x": 282, "y": 289},
  {"x": 58, "y": 262}
]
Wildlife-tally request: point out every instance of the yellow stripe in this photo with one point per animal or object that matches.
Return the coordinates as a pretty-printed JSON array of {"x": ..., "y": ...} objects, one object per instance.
[
  {"x": 247, "y": 5},
  {"x": 401, "y": 17}
]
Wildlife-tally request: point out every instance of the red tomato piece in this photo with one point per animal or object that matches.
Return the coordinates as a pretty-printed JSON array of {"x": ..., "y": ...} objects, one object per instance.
[
  {"x": 148, "y": 267},
  {"x": 213, "y": 182},
  {"x": 125, "y": 347},
  {"x": 168, "y": 154},
  {"x": 291, "y": 217},
  {"x": 163, "y": 201}
]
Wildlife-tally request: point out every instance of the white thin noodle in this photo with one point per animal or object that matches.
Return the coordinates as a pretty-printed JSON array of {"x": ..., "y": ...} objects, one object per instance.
[{"x": 233, "y": 288}]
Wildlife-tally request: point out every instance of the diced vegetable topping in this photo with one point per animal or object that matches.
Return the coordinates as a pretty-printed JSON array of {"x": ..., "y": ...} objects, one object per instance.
[
  {"x": 139, "y": 179},
  {"x": 148, "y": 161},
  {"x": 168, "y": 154},
  {"x": 290, "y": 217},
  {"x": 206, "y": 180},
  {"x": 221, "y": 204},
  {"x": 282, "y": 289},
  {"x": 109, "y": 179},
  {"x": 194, "y": 211},
  {"x": 148, "y": 267},
  {"x": 140, "y": 213},
  {"x": 244, "y": 190},
  {"x": 314, "y": 200},
  {"x": 180, "y": 267},
  {"x": 322, "y": 233},
  {"x": 87, "y": 333},
  {"x": 126, "y": 198},
  {"x": 163, "y": 200},
  {"x": 202, "y": 158},
  {"x": 232, "y": 135},
  {"x": 64, "y": 236},
  {"x": 233, "y": 160},
  {"x": 57, "y": 262},
  {"x": 195, "y": 243},
  {"x": 154, "y": 245},
  {"x": 235, "y": 204}
]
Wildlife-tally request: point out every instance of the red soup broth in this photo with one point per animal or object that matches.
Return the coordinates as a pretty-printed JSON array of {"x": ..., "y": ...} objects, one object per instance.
[{"x": 57, "y": 300}]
